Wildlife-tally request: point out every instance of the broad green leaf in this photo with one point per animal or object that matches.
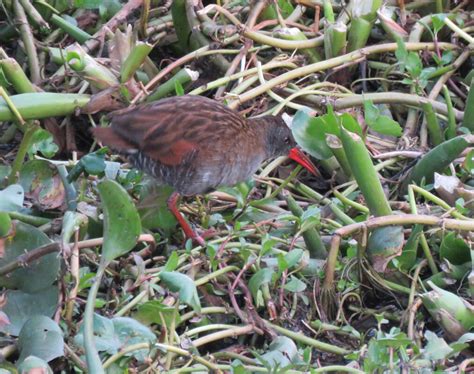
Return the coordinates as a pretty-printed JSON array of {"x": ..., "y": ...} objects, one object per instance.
[
  {"x": 121, "y": 220},
  {"x": 280, "y": 353},
  {"x": 184, "y": 285},
  {"x": 155, "y": 312},
  {"x": 11, "y": 198},
  {"x": 293, "y": 257},
  {"x": 32, "y": 364},
  {"x": 310, "y": 134},
  {"x": 21, "y": 306},
  {"x": 153, "y": 208},
  {"x": 40, "y": 273},
  {"x": 454, "y": 249},
  {"x": 112, "y": 335},
  {"x": 378, "y": 122},
  {"x": 92, "y": 163},
  {"x": 261, "y": 277},
  {"x": 295, "y": 285},
  {"x": 350, "y": 123},
  {"x": 41, "y": 337},
  {"x": 42, "y": 141}
]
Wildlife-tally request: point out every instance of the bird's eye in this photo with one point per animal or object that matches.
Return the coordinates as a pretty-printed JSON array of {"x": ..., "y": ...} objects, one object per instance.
[{"x": 287, "y": 140}]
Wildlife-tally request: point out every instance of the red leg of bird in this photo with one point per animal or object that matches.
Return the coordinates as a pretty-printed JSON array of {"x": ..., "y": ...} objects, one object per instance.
[{"x": 188, "y": 231}]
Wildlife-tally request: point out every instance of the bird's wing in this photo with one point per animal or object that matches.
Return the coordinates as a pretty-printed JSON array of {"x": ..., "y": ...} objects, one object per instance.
[{"x": 170, "y": 130}]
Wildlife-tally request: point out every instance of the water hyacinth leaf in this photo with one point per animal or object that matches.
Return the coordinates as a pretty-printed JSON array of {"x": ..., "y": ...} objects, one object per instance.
[
  {"x": 153, "y": 209},
  {"x": 295, "y": 285},
  {"x": 121, "y": 220},
  {"x": 92, "y": 163},
  {"x": 42, "y": 184},
  {"x": 184, "y": 285},
  {"x": 41, "y": 337},
  {"x": 310, "y": 134},
  {"x": 20, "y": 306},
  {"x": 281, "y": 352},
  {"x": 113, "y": 335},
  {"x": 454, "y": 249},
  {"x": 43, "y": 142},
  {"x": 32, "y": 364},
  {"x": 378, "y": 122},
  {"x": 130, "y": 332},
  {"x": 11, "y": 198},
  {"x": 40, "y": 273},
  {"x": 384, "y": 244},
  {"x": 261, "y": 277},
  {"x": 156, "y": 312}
]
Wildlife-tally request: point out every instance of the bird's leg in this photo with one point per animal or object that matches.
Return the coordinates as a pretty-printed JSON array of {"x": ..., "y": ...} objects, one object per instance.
[{"x": 188, "y": 231}]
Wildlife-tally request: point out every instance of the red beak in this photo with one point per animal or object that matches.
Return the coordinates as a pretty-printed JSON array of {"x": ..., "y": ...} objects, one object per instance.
[{"x": 297, "y": 155}]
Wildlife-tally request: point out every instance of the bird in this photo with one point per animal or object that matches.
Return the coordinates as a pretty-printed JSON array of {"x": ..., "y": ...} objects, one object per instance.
[{"x": 195, "y": 145}]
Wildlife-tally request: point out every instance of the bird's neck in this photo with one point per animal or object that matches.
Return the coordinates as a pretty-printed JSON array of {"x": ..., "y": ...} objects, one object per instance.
[{"x": 263, "y": 127}]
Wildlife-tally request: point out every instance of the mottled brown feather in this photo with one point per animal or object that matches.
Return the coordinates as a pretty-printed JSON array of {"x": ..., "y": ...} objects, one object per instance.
[{"x": 193, "y": 143}]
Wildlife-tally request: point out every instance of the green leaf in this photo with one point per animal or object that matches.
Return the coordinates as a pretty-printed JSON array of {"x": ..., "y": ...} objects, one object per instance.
[
  {"x": 437, "y": 20},
  {"x": 401, "y": 53},
  {"x": 184, "y": 285},
  {"x": 155, "y": 312},
  {"x": 310, "y": 134},
  {"x": 40, "y": 273},
  {"x": 436, "y": 348},
  {"x": 5, "y": 224},
  {"x": 41, "y": 337},
  {"x": 113, "y": 335},
  {"x": 380, "y": 123},
  {"x": 11, "y": 198},
  {"x": 31, "y": 364},
  {"x": 172, "y": 262},
  {"x": 414, "y": 64},
  {"x": 261, "y": 277},
  {"x": 281, "y": 352},
  {"x": 295, "y": 285},
  {"x": 20, "y": 306},
  {"x": 121, "y": 220},
  {"x": 42, "y": 141},
  {"x": 349, "y": 123},
  {"x": 454, "y": 249},
  {"x": 93, "y": 163}
]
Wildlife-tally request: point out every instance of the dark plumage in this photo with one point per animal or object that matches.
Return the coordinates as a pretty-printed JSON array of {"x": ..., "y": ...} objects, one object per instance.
[{"x": 195, "y": 144}]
